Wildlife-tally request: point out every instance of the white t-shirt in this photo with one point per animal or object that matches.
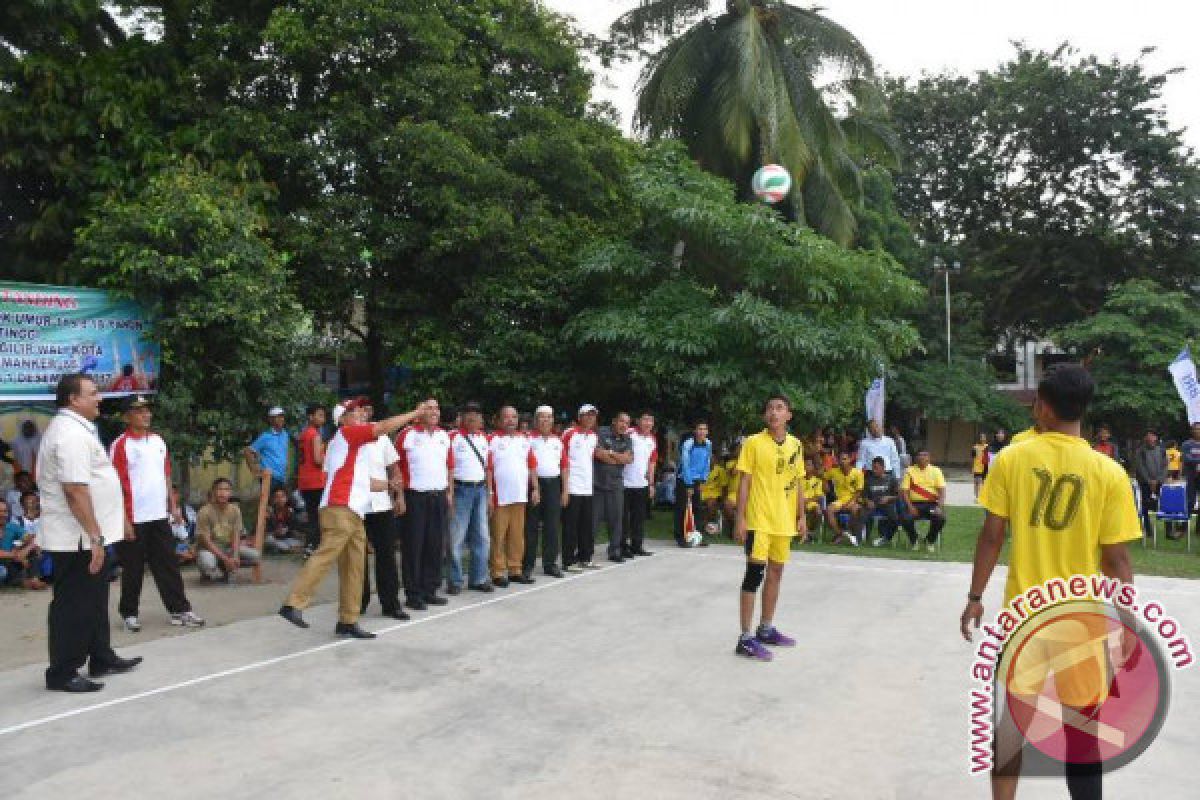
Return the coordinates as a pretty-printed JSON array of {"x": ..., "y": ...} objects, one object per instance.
[
  {"x": 548, "y": 451},
  {"x": 579, "y": 448},
  {"x": 425, "y": 456},
  {"x": 468, "y": 466},
  {"x": 381, "y": 454},
  {"x": 71, "y": 453},
  {"x": 645, "y": 450},
  {"x": 511, "y": 460}
]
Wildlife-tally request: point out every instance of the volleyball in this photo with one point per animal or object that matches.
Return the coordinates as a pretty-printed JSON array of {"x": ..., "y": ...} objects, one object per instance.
[
  {"x": 695, "y": 538},
  {"x": 771, "y": 183}
]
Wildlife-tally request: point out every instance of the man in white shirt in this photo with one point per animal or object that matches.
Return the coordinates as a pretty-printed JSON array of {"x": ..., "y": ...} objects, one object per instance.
[
  {"x": 874, "y": 445},
  {"x": 381, "y": 522},
  {"x": 81, "y": 513},
  {"x": 545, "y": 513},
  {"x": 638, "y": 477},
  {"x": 426, "y": 463},
  {"x": 469, "y": 523},
  {"x": 513, "y": 484},
  {"x": 579, "y": 533}
]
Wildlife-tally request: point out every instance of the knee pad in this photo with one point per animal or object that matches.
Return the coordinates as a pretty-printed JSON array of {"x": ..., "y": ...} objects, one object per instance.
[{"x": 754, "y": 577}]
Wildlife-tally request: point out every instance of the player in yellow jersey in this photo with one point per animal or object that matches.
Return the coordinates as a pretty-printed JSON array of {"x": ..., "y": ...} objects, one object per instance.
[
  {"x": 979, "y": 461},
  {"x": 770, "y": 511},
  {"x": 1026, "y": 434},
  {"x": 1071, "y": 511},
  {"x": 847, "y": 482},
  {"x": 814, "y": 498}
]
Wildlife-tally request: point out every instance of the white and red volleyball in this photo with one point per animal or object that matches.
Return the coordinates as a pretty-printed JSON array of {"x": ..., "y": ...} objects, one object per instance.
[{"x": 771, "y": 183}]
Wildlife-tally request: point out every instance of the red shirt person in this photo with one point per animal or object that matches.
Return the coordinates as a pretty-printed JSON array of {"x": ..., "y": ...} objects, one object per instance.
[{"x": 310, "y": 474}]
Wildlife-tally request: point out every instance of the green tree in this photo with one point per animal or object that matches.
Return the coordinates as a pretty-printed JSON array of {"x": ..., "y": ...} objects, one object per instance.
[
  {"x": 755, "y": 305},
  {"x": 1127, "y": 347},
  {"x": 741, "y": 89}
]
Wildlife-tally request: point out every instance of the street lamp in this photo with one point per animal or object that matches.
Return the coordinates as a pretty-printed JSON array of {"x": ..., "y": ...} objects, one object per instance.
[{"x": 940, "y": 266}]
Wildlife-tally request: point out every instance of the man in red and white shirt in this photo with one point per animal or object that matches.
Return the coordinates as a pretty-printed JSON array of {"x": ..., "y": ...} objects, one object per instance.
[
  {"x": 381, "y": 520},
  {"x": 579, "y": 535},
  {"x": 144, "y": 468},
  {"x": 344, "y": 503},
  {"x": 513, "y": 484},
  {"x": 638, "y": 477},
  {"x": 426, "y": 464},
  {"x": 469, "y": 523},
  {"x": 542, "y": 518}
]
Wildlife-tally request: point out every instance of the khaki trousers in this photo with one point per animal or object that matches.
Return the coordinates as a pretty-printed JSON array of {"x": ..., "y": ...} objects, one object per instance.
[
  {"x": 508, "y": 540},
  {"x": 343, "y": 539}
]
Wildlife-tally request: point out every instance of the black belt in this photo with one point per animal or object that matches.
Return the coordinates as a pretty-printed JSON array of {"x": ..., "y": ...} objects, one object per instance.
[
  {"x": 469, "y": 483},
  {"x": 427, "y": 491}
]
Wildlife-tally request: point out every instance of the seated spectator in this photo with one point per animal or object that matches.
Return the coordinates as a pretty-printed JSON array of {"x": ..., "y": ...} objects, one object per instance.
[
  {"x": 183, "y": 525},
  {"x": 22, "y": 483},
  {"x": 881, "y": 492},
  {"x": 18, "y": 553},
  {"x": 283, "y": 531},
  {"x": 814, "y": 498},
  {"x": 220, "y": 549},
  {"x": 712, "y": 493},
  {"x": 924, "y": 492},
  {"x": 847, "y": 482},
  {"x": 30, "y": 521},
  {"x": 664, "y": 490}
]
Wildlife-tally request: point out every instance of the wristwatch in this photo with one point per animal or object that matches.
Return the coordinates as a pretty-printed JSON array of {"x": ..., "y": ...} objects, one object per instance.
[
  {"x": 975, "y": 598},
  {"x": 96, "y": 539}
]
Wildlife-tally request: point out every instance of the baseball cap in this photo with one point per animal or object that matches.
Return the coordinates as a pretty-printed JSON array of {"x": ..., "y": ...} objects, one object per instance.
[
  {"x": 137, "y": 401},
  {"x": 544, "y": 410},
  {"x": 275, "y": 411},
  {"x": 588, "y": 408}
]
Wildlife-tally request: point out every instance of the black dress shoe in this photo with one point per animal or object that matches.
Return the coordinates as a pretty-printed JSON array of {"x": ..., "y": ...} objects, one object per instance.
[
  {"x": 643, "y": 552},
  {"x": 113, "y": 667},
  {"x": 522, "y": 579},
  {"x": 482, "y": 587},
  {"x": 554, "y": 572},
  {"x": 293, "y": 616},
  {"x": 416, "y": 605},
  {"x": 75, "y": 685},
  {"x": 434, "y": 600},
  {"x": 616, "y": 559},
  {"x": 500, "y": 583},
  {"x": 451, "y": 589},
  {"x": 626, "y": 553},
  {"x": 353, "y": 631},
  {"x": 397, "y": 613}
]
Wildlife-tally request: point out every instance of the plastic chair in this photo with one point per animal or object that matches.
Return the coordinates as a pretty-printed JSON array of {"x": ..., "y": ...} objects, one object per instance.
[
  {"x": 896, "y": 540},
  {"x": 1173, "y": 507}
]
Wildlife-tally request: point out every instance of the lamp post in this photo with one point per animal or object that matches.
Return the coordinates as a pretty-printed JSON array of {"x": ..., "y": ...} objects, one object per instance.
[{"x": 940, "y": 266}]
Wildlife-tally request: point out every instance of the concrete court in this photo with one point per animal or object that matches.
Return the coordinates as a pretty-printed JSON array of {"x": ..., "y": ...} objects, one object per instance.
[{"x": 614, "y": 684}]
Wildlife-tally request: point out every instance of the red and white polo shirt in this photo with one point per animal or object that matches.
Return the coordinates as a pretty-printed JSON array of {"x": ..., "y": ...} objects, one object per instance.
[
  {"x": 511, "y": 457},
  {"x": 579, "y": 448},
  {"x": 645, "y": 452},
  {"x": 347, "y": 462},
  {"x": 468, "y": 466},
  {"x": 144, "y": 467},
  {"x": 548, "y": 450},
  {"x": 425, "y": 457}
]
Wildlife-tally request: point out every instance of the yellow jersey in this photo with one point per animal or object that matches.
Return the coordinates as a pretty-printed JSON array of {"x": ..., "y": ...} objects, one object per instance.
[
  {"x": 1024, "y": 435},
  {"x": 732, "y": 481},
  {"x": 977, "y": 455},
  {"x": 776, "y": 470},
  {"x": 714, "y": 487},
  {"x": 846, "y": 486},
  {"x": 814, "y": 488},
  {"x": 1174, "y": 459},
  {"x": 928, "y": 480},
  {"x": 1063, "y": 501}
]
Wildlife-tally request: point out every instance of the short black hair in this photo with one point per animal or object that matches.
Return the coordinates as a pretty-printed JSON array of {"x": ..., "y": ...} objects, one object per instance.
[
  {"x": 620, "y": 414},
  {"x": 1067, "y": 388},
  {"x": 313, "y": 408},
  {"x": 877, "y": 460},
  {"x": 69, "y": 385},
  {"x": 471, "y": 407},
  {"x": 786, "y": 402},
  {"x": 219, "y": 481},
  {"x": 28, "y": 494},
  {"x": 646, "y": 413}
]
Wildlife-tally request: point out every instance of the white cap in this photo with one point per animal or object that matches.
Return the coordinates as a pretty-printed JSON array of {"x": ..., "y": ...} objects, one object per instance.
[
  {"x": 587, "y": 408},
  {"x": 544, "y": 410},
  {"x": 338, "y": 410},
  {"x": 275, "y": 411}
]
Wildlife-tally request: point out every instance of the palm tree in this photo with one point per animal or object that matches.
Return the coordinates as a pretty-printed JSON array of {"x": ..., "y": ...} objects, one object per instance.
[{"x": 740, "y": 89}]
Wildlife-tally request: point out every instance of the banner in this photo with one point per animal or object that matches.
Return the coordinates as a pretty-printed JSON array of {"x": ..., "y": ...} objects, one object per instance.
[
  {"x": 875, "y": 400},
  {"x": 1183, "y": 370},
  {"x": 49, "y": 331}
]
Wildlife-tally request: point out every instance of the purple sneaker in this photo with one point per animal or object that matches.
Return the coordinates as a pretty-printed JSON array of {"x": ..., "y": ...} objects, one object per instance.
[
  {"x": 752, "y": 648},
  {"x": 773, "y": 637}
]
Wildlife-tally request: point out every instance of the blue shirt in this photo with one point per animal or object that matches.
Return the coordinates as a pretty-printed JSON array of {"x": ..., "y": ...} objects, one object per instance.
[
  {"x": 272, "y": 449},
  {"x": 14, "y": 532},
  {"x": 694, "y": 462}
]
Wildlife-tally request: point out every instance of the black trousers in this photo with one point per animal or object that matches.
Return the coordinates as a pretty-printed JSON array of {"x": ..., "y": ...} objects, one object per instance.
[
  {"x": 924, "y": 511},
  {"x": 681, "y": 500},
  {"x": 312, "y": 507},
  {"x": 579, "y": 535},
  {"x": 381, "y": 533},
  {"x": 637, "y": 509},
  {"x": 78, "y": 617},
  {"x": 154, "y": 545},
  {"x": 423, "y": 545},
  {"x": 541, "y": 522}
]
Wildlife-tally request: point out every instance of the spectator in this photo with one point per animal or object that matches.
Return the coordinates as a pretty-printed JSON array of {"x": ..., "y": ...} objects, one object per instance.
[
  {"x": 283, "y": 535},
  {"x": 901, "y": 446},
  {"x": 664, "y": 489},
  {"x": 1150, "y": 470},
  {"x": 636, "y": 478},
  {"x": 1174, "y": 460},
  {"x": 545, "y": 513},
  {"x": 1105, "y": 444},
  {"x": 924, "y": 492},
  {"x": 814, "y": 498},
  {"x": 729, "y": 502},
  {"x": 713, "y": 492},
  {"x": 6, "y": 456},
  {"x": 22, "y": 484},
  {"x": 144, "y": 467},
  {"x": 469, "y": 527},
  {"x": 1189, "y": 452},
  {"x": 25, "y": 446},
  {"x": 426, "y": 467},
  {"x": 579, "y": 448},
  {"x": 695, "y": 462},
  {"x": 876, "y": 445},
  {"x": 514, "y": 485},
  {"x": 847, "y": 482},
  {"x": 221, "y": 543},
  {"x": 881, "y": 492},
  {"x": 270, "y": 450},
  {"x": 310, "y": 475},
  {"x": 18, "y": 553},
  {"x": 999, "y": 442},
  {"x": 30, "y": 520},
  {"x": 81, "y": 505},
  {"x": 183, "y": 527},
  {"x": 614, "y": 452},
  {"x": 382, "y": 522},
  {"x": 979, "y": 461}
]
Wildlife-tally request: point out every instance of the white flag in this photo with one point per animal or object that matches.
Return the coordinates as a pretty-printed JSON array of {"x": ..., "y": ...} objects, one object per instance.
[
  {"x": 1183, "y": 370},
  {"x": 875, "y": 400}
]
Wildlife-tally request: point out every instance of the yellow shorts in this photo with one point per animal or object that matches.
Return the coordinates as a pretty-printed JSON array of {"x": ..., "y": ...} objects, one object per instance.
[
  {"x": 838, "y": 505},
  {"x": 769, "y": 547}
]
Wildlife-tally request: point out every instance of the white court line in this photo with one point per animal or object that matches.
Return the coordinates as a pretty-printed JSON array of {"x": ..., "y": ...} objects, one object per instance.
[{"x": 400, "y": 626}]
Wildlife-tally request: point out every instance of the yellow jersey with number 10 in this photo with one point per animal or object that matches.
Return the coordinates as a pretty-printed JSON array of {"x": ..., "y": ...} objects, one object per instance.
[{"x": 1062, "y": 500}]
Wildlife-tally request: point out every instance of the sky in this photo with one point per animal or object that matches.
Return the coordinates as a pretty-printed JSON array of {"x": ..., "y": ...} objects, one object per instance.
[{"x": 964, "y": 36}]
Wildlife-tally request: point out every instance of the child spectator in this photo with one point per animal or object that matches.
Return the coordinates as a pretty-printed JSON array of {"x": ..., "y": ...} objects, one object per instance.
[
  {"x": 1174, "y": 460},
  {"x": 18, "y": 553},
  {"x": 183, "y": 525},
  {"x": 283, "y": 534},
  {"x": 22, "y": 483},
  {"x": 814, "y": 498}
]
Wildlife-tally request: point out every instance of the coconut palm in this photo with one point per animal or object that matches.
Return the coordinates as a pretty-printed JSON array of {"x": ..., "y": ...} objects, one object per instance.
[{"x": 740, "y": 88}]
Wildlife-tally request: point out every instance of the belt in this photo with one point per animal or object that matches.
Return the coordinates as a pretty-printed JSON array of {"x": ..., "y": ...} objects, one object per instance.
[
  {"x": 427, "y": 491},
  {"x": 469, "y": 483}
]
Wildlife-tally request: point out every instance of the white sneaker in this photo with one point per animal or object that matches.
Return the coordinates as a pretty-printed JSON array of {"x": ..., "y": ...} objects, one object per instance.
[
  {"x": 878, "y": 542},
  {"x": 188, "y": 620},
  {"x": 853, "y": 539},
  {"x": 132, "y": 624},
  {"x": 573, "y": 568},
  {"x": 930, "y": 548},
  {"x": 591, "y": 565}
]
